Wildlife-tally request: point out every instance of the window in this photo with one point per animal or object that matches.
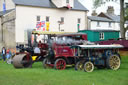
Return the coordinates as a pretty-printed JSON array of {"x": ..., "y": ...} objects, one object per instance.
[
  {"x": 79, "y": 20},
  {"x": 62, "y": 30},
  {"x": 110, "y": 25},
  {"x": 67, "y": 1},
  {"x": 38, "y": 18},
  {"x": 47, "y": 19},
  {"x": 101, "y": 36},
  {"x": 62, "y": 19},
  {"x": 98, "y": 24}
]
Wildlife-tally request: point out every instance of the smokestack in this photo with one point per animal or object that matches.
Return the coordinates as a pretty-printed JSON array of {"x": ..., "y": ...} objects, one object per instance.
[
  {"x": 110, "y": 10},
  {"x": 94, "y": 13}
]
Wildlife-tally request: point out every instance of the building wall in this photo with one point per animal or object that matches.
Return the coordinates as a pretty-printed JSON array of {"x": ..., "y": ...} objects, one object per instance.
[
  {"x": 1, "y": 43},
  {"x": 9, "y": 4},
  {"x": 117, "y": 26},
  {"x": 26, "y": 19},
  {"x": 0, "y": 31},
  {"x": 62, "y": 3},
  {"x": 8, "y": 25},
  {"x": 103, "y": 25}
]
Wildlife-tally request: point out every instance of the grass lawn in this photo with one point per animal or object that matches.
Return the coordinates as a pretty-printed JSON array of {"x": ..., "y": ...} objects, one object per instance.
[{"x": 39, "y": 76}]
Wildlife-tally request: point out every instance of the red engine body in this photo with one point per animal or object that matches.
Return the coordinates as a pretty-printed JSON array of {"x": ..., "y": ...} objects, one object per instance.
[{"x": 64, "y": 50}]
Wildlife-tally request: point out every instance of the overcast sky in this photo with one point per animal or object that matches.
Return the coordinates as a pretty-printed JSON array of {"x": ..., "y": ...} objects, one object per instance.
[{"x": 89, "y": 5}]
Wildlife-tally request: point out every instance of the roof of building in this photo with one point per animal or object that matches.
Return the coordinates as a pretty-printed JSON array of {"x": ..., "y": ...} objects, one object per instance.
[
  {"x": 113, "y": 17},
  {"x": 96, "y": 18},
  {"x": 101, "y": 30},
  {"x": 48, "y": 4},
  {"x": 5, "y": 12}
]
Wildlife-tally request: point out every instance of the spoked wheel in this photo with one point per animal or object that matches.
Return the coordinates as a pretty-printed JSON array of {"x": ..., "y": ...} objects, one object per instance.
[
  {"x": 113, "y": 62},
  {"x": 88, "y": 66},
  {"x": 60, "y": 64},
  {"x": 79, "y": 65},
  {"x": 46, "y": 63}
]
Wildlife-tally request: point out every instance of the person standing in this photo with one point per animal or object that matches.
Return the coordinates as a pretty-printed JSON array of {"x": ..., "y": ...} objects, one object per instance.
[{"x": 4, "y": 53}]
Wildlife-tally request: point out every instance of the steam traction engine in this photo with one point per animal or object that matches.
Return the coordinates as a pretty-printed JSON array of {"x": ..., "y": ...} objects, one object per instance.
[
  {"x": 101, "y": 56},
  {"x": 74, "y": 49},
  {"x": 60, "y": 54}
]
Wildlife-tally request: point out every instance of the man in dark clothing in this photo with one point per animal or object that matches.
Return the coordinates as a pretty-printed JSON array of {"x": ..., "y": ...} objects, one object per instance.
[{"x": 4, "y": 53}]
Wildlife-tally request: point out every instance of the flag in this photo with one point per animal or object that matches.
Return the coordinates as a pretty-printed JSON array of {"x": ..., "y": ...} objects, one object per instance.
[
  {"x": 47, "y": 26},
  {"x": 4, "y": 6},
  {"x": 40, "y": 25}
]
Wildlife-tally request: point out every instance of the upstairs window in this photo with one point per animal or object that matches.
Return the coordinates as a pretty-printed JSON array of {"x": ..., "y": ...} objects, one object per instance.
[
  {"x": 38, "y": 18},
  {"x": 62, "y": 19},
  {"x": 98, "y": 24},
  {"x": 47, "y": 19},
  {"x": 67, "y": 1},
  {"x": 79, "y": 21},
  {"x": 101, "y": 36},
  {"x": 110, "y": 24}
]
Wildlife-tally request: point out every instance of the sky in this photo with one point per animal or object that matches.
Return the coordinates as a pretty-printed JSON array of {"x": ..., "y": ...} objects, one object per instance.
[{"x": 89, "y": 5}]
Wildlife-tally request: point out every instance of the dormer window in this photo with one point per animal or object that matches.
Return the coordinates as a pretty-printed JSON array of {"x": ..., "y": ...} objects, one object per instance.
[{"x": 67, "y": 1}]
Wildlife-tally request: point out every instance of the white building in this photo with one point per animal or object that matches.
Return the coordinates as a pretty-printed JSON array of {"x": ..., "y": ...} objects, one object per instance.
[
  {"x": 105, "y": 21},
  {"x": 100, "y": 23},
  {"x": 61, "y": 15}
]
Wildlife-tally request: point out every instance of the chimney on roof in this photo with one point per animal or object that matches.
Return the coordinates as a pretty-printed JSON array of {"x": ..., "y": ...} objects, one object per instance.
[
  {"x": 110, "y": 10},
  {"x": 94, "y": 13}
]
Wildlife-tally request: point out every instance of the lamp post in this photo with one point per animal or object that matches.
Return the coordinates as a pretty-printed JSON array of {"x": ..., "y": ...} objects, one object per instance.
[{"x": 60, "y": 23}]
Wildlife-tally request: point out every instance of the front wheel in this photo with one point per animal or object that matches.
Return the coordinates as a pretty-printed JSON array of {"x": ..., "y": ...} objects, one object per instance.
[
  {"x": 60, "y": 64},
  {"x": 46, "y": 63},
  {"x": 79, "y": 65},
  {"x": 88, "y": 66}
]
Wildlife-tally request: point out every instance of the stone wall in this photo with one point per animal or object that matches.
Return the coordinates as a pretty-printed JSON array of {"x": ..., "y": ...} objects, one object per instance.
[
  {"x": 1, "y": 44},
  {"x": 8, "y": 26},
  {"x": 0, "y": 31}
]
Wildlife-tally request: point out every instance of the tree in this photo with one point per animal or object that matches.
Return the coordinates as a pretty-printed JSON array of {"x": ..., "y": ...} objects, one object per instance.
[
  {"x": 98, "y": 3},
  {"x": 126, "y": 18}
]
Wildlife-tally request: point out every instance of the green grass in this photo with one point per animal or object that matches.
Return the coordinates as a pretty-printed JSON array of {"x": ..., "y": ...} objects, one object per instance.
[{"x": 39, "y": 76}]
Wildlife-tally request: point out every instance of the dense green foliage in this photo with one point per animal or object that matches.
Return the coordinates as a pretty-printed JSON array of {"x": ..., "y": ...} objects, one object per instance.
[{"x": 39, "y": 76}]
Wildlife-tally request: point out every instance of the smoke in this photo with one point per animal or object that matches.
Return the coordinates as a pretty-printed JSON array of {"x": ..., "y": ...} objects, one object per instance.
[{"x": 70, "y": 41}]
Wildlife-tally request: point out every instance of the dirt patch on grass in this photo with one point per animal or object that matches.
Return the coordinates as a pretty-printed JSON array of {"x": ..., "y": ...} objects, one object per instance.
[{"x": 124, "y": 53}]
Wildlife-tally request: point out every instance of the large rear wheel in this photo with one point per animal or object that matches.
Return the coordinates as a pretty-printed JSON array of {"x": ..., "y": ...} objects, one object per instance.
[
  {"x": 60, "y": 64},
  {"x": 88, "y": 66},
  {"x": 113, "y": 62}
]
